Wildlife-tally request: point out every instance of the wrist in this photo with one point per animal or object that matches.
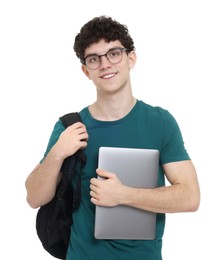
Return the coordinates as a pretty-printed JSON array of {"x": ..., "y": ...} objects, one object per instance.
[
  {"x": 57, "y": 155},
  {"x": 126, "y": 195}
]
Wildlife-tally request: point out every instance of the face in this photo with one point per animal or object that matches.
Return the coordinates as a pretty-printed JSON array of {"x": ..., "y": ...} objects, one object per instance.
[{"x": 109, "y": 76}]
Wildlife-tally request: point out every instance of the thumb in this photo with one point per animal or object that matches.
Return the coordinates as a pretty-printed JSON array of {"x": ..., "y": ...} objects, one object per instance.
[{"x": 104, "y": 174}]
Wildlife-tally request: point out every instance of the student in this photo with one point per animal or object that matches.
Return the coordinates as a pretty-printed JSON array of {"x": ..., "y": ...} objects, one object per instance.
[{"x": 116, "y": 118}]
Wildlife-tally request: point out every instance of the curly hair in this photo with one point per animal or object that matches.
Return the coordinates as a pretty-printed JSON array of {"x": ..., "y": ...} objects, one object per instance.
[{"x": 99, "y": 28}]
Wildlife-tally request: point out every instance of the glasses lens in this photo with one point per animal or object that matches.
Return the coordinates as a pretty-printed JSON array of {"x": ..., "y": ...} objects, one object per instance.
[
  {"x": 92, "y": 61},
  {"x": 114, "y": 55}
]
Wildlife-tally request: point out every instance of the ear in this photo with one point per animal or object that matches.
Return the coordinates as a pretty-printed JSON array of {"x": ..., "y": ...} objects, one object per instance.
[
  {"x": 86, "y": 72},
  {"x": 132, "y": 59}
]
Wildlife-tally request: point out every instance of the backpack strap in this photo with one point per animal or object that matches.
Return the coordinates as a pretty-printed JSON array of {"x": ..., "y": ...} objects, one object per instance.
[
  {"x": 71, "y": 162},
  {"x": 70, "y": 118}
]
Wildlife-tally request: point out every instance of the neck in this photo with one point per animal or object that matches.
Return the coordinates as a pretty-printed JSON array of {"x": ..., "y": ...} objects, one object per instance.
[{"x": 111, "y": 109}]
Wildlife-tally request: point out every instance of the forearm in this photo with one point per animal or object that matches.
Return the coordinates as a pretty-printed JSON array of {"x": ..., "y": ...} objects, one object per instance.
[
  {"x": 41, "y": 183},
  {"x": 169, "y": 199},
  {"x": 183, "y": 195}
]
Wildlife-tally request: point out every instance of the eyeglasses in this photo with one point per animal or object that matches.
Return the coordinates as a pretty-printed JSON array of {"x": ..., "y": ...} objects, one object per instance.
[{"x": 113, "y": 55}]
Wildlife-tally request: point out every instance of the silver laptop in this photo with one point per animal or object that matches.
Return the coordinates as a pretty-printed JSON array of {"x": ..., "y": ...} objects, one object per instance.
[{"x": 135, "y": 168}]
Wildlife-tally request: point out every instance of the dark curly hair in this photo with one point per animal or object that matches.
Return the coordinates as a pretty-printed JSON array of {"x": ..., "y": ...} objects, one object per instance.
[{"x": 102, "y": 27}]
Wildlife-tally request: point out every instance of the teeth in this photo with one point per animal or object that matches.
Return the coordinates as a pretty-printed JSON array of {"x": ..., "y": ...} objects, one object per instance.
[{"x": 108, "y": 76}]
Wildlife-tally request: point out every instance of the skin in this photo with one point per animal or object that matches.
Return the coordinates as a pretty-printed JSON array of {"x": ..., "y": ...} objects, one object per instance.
[{"x": 114, "y": 101}]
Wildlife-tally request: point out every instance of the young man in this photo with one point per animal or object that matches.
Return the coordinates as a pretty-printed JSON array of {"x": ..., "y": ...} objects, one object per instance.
[{"x": 116, "y": 118}]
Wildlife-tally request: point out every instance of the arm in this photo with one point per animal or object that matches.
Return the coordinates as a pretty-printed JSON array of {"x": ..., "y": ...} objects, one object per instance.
[
  {"x": 42, "y": 182},
  {"x": 183, "y": 195}
]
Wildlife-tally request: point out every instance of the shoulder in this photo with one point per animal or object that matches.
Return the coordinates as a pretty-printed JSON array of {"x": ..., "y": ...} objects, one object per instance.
[{"x": 154, "y": 111}]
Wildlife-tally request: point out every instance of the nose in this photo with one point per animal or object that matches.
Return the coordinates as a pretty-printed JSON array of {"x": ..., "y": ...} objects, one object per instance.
[{"x": 104, "y": 62}]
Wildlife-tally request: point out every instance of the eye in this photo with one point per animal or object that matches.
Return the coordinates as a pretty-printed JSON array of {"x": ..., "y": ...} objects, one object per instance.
[
  {"x": 114, "y": 53},
  {"x": 92, "y": 59}
]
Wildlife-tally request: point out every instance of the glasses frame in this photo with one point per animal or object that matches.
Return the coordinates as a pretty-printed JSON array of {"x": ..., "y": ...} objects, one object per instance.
[{"x": 122, "y": 49}]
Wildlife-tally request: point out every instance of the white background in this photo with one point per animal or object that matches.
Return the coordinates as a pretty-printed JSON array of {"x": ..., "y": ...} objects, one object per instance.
[{"x": 179, "y": 67}]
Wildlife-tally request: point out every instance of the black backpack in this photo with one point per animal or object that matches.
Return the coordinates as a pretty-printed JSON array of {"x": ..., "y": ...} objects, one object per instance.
[{"x": 53, "y": 220}]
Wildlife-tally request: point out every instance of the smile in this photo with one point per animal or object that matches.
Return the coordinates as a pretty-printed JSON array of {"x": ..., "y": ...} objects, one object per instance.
[{"x": 108, "y": 76}]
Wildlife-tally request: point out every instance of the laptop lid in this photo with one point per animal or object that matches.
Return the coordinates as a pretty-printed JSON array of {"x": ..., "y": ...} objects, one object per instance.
[{"x": 135, "y": 168}]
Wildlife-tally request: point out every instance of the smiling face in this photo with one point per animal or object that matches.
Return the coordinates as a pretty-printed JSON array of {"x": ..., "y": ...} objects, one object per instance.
[{"x": 109, "y": 77}]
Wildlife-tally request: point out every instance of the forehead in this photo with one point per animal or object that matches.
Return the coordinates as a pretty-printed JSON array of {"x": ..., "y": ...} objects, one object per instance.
[{"x": 102, "y": 47}]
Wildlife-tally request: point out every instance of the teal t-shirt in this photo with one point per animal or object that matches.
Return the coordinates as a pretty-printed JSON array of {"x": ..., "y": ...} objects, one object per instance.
[{"x": 145, "y": 126}]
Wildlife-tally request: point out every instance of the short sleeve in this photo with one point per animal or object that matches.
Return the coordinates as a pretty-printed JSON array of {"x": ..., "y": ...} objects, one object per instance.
[
  {"x": 172, "y": 144},
  {"x": 57, "y": 130}
]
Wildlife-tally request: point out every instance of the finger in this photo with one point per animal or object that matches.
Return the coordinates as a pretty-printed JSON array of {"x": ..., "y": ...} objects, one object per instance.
[
  {"x": 94, "y": 181},
  {"x": 80, "y": 131},
  {"x": 97, "y": 202},
  {"x": 94, "y": 196},
  {"x": 83, "y": 144},
  {"x": 83, "y": 136},
  {"x": 78, "y": 128},
  {"x": 92, "y": 187},
  {"x": 94, "y": 201},
  {"x": 104, "y": 174},
  {"x": 78, "y": 125}
]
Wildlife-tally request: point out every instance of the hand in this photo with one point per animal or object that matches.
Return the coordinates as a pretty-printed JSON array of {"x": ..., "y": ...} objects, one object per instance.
[
  {"x": 72, "y": 139},
  {"x": 106, "y": 191}
]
